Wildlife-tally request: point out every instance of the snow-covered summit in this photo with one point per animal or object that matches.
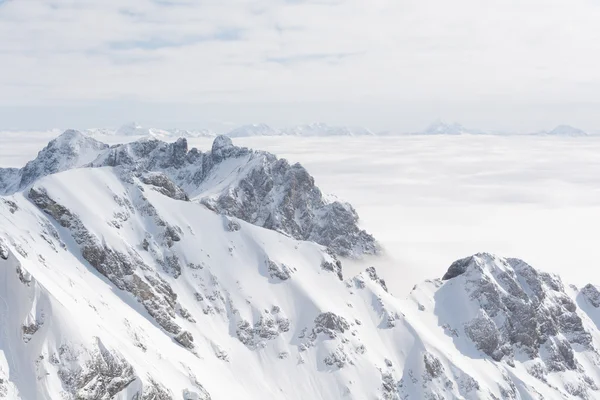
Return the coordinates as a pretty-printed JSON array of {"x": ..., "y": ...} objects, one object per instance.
[
  {"x": 318, "y": 129},
  {"x": 71, "y": 149},
  {"x": 254, "y": 130},
  {"x": 136, "y": 130},
  {"x": 523, "y": 318},
  {"x": 321, "y": 129},
  {"x": 440, "y": 127},
  {"x": 566, "y": 130},
  {"x": 132, "y": 129}
]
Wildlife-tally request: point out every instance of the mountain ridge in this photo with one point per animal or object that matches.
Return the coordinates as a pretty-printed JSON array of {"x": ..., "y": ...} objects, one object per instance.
[{"x": 131, "y": 277}]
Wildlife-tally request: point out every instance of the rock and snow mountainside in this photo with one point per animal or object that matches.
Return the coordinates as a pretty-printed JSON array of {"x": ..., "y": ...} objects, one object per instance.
[
  {"x": 254, "y": 186},
  {"x": 114, "y": 285}
]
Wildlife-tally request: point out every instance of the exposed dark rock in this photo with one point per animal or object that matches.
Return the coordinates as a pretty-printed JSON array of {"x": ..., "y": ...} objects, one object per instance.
[
  {"x": 12, "y": 206},
  {"x": 231, "y": 225},
  {"x": 154, "y": 391},
  {"x": 433, "y": 366},
  {"x": 185, "y": 339},
  {"x": 458, "y": 268},
  {"x": 3, "y": 250},
  {"x": 266, "y": 328},
  {"x": 163, "y": 184},
  {"x": 590, "y": 292},
  {"x": 30, "y": 329},
  {"x": 330, "y": 324},
  {"x": 372, "y": 272},
  {"x": 334, "y": 265},
  {"x": 337, "y": 358},
  {"x": 278, "y": 271},
  {"x": 196, "y": 395},
  {"x": 102, "y": 376}
]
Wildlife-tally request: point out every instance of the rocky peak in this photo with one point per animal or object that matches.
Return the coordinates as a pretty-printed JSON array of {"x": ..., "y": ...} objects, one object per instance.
[
  {"x": 72, "y": 149},
  {"x": 222, "y": 148},
  {"x": 517, "y": 309},
  {"x": 221, "y": 142},
  {"x": 591, "y": 294}
]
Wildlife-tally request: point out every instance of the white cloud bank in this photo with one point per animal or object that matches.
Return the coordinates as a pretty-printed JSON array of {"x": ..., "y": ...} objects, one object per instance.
[{"x": 477, "y": 60}]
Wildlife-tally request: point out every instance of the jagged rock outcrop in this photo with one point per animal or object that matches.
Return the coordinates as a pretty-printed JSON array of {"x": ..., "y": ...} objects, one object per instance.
[
  {"x": 330, "y": 324},
  {"x": 92, "y": 374},
  {"x": 591, "y": 294}
]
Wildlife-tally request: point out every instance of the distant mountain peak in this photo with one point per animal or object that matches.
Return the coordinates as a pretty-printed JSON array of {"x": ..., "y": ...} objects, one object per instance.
[
  {"x": 440, "y": 127},
  {"x": 315, "y": 129},
  {"x": 567, "y": 130},
  {"x": 254, "y": 130}
]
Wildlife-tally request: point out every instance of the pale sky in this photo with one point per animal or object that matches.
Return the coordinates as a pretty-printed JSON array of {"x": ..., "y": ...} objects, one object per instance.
[{"x": 383, "y": 64}]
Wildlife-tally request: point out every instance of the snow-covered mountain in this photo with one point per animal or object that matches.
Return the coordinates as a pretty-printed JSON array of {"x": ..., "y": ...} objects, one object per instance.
[
  {"x": 322, "y": 129},
  {"x": 254, "y": 130},
  {"x": 565, "y": 130},
  {"x": 440, "y": 127},
  {"x": 154, "y": 271},
  {"x": 133, "y": 129},
  {"x": 308, "y": 130}
]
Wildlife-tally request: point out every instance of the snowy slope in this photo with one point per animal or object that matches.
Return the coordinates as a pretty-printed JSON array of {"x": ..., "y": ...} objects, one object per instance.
[{"x": 113, "y": 284}]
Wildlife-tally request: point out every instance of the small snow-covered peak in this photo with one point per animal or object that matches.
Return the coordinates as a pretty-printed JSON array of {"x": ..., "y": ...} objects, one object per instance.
[
  {"x": 508, "y": 309},
  {"x": 74, "y": 140},
  {"x": 440, "y": 127},
  {"x": 71, "y": 149},
  {"x": 132, "y": 129},
  {"x": 220, "y": 142},
  {"x": 254, "y": 130},
  {"x": 322, "y": 129},
  {"x": 567, "y": 130},
  {"x": 477, "y": 262},
  {"x": 69, "y": 135},
  {"x": 591, "y": 294}
]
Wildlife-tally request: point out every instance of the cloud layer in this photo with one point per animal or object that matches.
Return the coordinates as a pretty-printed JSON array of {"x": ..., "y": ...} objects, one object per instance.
[{"x": 501, "y": 53}]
